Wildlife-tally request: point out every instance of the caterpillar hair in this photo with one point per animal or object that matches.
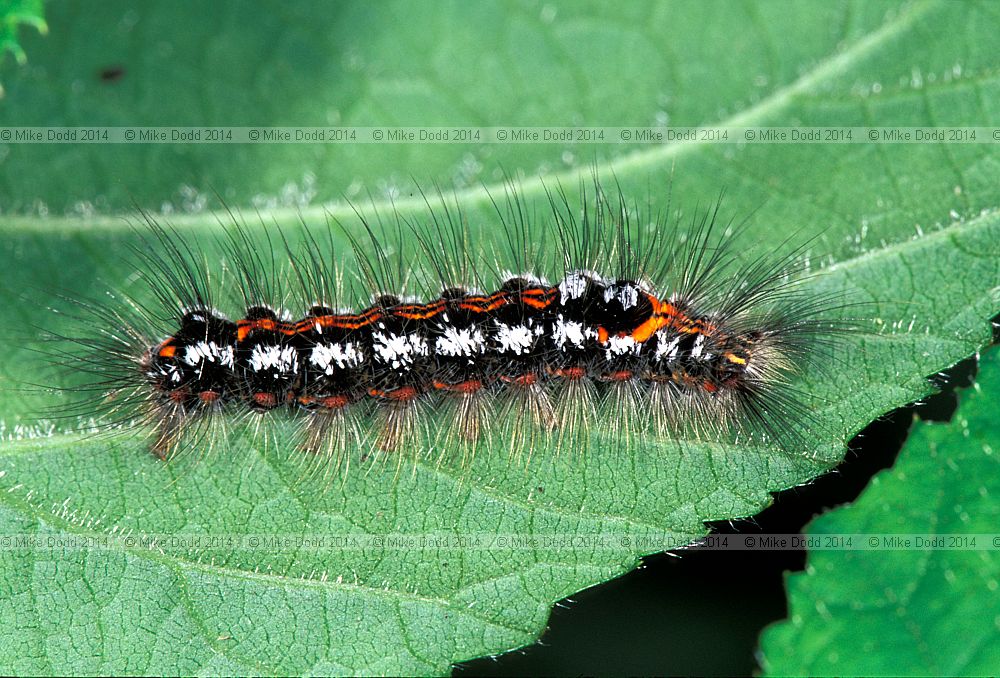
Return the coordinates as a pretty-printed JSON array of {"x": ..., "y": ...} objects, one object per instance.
[{"x": 440, "y": 337}]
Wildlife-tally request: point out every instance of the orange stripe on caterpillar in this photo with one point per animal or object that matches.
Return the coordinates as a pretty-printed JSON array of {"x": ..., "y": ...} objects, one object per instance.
[
  {"x": 402, "y": 394},
  {"x": 326, "y": 402},
  {"x": 571, "y": 373},
  {"x": 353, "y": 321},
  {"x": 469, "y": 386},
  {"x": 545, "y": 297},
  {"x": 418, "y": 311},
  {"x": 245, "y": 327},
  {"x": 664, "y": 314}
]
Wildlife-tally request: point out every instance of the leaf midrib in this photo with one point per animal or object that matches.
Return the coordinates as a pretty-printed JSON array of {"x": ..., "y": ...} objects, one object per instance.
[{"x": 534, "y": 186}]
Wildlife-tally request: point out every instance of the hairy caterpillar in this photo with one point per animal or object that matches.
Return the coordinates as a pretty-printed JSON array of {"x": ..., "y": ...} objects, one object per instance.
[{"x": 439, "y": 336}]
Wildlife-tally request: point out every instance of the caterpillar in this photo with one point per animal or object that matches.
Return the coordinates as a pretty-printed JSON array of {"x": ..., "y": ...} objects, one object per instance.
[{"x": 428, "y": 333}]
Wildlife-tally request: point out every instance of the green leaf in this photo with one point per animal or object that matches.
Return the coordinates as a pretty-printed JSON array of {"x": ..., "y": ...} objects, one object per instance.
[
  {"x": 387, "y": 609},
  {"x": 925, "y": 610}
]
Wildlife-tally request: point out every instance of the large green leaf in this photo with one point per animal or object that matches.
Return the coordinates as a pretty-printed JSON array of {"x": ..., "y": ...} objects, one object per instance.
[
  {"x": 930, "y": 610},
  {"x": 394, "y": 610}
]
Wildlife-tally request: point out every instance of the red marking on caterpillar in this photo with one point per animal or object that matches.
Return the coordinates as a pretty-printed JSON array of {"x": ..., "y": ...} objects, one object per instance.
[{"x": 654, "y": 321}]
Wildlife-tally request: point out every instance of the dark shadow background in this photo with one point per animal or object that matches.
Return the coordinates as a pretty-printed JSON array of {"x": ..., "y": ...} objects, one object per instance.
[{"x": 701, "y": 613}]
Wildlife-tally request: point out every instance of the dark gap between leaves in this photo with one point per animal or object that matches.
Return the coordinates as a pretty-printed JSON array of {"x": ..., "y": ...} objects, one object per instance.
[{"x": 702, "y": 612}]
